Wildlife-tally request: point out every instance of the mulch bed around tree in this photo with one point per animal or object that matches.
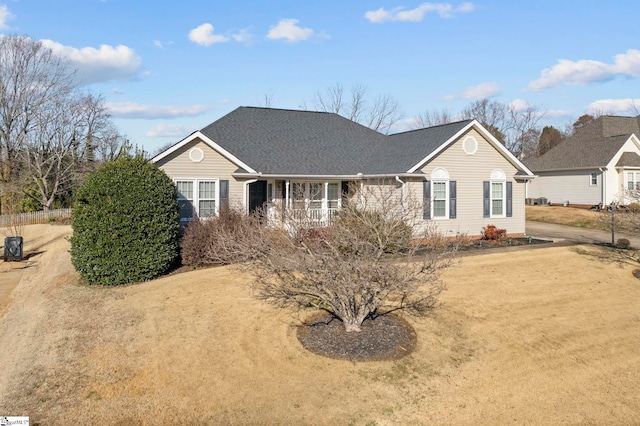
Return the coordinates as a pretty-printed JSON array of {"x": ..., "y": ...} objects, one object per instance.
[
  {"x": 383, "y": 338},
  {"x": 506, "y": 242}
]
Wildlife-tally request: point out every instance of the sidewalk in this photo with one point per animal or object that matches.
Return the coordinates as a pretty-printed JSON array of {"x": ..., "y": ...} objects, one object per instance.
[{"x": 571, "y": 233}]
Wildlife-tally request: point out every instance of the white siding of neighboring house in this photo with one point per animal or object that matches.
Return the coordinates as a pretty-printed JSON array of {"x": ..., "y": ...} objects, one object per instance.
[
  {"x": 469, "y": 171},
  {"x": 573, "y": 187},
  {"x": 178, "y": 165},
  {"x": 615, "y": 179}
]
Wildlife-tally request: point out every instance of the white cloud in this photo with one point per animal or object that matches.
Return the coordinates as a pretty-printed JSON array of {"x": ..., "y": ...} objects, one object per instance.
[
  {"x": 96, "y": 65},
  {"x": 158, "y": 43},
  {"x": 204, "y": 36},
  {"x": 5, "y": 16},
  {"x": 148, "y": 111},
  {"x": 615, "y": 106},
  {"x": 169, "y": 130},
  {"x": 445, "y": 10},
  {"x": 519, "y": 105},
  {"x": 585, "y": 71},
  {"x": 289, "y": 30},
  {"x": 481, "y": 91},
  {"x": 243, "y": 36}
]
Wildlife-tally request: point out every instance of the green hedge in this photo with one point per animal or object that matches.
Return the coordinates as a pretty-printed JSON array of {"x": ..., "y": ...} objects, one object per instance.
[{"x": 125, "y": 223}]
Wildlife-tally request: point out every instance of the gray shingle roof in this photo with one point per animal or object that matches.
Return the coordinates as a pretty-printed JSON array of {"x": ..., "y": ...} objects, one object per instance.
[
  {"x": 277, "y": 141},
  {"x": 592, "y": 146}
]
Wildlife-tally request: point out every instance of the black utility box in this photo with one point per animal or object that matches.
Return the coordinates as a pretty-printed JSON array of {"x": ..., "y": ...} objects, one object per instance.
[{"x": 12, "y": 248}]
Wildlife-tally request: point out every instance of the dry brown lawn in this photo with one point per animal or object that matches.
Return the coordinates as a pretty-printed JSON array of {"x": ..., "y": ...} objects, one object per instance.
[
  {"x": 544, "y": 336},
  {"x": 570, "y": 216}
]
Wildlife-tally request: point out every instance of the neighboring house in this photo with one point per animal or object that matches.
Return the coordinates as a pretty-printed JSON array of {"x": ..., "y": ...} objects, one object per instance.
[
  {"x": 465, "y": 179},
  {"x": 598, "y": 164}
]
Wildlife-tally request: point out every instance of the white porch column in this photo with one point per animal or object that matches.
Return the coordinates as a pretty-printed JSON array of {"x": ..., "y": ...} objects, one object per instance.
[{"x": 287, "y": 198}]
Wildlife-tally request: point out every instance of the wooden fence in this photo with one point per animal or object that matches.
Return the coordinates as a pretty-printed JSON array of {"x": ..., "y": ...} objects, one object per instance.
[{"x": 34, "y": 217}]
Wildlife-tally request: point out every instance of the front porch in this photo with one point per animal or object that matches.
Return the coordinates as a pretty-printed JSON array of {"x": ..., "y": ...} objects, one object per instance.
[{"x": 316, "y": 201}]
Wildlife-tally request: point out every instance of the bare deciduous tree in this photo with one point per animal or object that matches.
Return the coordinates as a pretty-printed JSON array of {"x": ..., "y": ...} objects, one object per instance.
[
  {"x": 30, "y": 77},
  {"x": 50, "y": 131},
  {"x": 516, "y": 128},
  {"x": 379, "y": 113},
  {"x": 368, "y": 262},
  {"x": 433, "y": 118}
]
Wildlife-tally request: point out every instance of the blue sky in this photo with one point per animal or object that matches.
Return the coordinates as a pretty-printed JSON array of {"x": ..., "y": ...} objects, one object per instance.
[{"x": 168, "y": 69}]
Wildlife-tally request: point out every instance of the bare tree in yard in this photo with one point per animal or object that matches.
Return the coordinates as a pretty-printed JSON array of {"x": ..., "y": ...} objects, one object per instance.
[
  {"x": 379, "y": 113},
  {"x": 30, "y": 76},
  {"x": 62, "y": 144},
  {"x": 50, "y": 132},
  {"x": 365, "y": 264}
]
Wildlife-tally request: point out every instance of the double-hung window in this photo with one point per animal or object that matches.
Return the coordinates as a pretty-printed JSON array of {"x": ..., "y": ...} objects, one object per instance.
[
  {"x": 316, "y": 195},
  {"x": 497, "y": 199},
  {"x": 439, "y": 201},
  {"x": 633, "y": 181},
  {"x": 333, "y": 196},
  {"x": 206, "y": 198},
  {"x": 498, "y": 195},
  {"x": 439, "y": 196},
  {"x": 185, "y": 199},
  {"x": 197, "y": 198}
]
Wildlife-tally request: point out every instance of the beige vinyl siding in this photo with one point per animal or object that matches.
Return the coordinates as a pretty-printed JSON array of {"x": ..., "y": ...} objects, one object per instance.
[
  {"x": 469, "y": 171},
  {"x": 178, "y": 165},
  {"x": 570, "y": 186}
]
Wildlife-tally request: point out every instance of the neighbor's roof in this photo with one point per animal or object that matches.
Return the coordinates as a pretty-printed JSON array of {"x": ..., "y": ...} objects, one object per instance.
[
  {"x": 592, "y": 146},
  {"x": 292, "y": 142}
]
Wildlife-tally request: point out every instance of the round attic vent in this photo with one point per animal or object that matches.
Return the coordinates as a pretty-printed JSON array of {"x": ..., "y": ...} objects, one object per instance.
[
  {"x": 470, "y": 145},
  {"x": 196, "y": 155}
]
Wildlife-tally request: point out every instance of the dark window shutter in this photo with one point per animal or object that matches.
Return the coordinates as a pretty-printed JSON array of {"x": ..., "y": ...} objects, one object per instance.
[
  {"x": 509, "y": 199},
  {"x": 224, "y": 194},
  {"x": 486, "y": 195},
  {"x": 452, "y": 199},
  {"x": 426, "y": 199}
]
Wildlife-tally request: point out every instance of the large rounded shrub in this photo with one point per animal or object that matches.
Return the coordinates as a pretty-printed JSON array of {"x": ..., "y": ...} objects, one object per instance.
[{"x": 125, "y": 223}]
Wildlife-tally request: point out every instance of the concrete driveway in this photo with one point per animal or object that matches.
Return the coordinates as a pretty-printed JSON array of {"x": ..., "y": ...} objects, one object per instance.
[{"x": 571, "y": 233}]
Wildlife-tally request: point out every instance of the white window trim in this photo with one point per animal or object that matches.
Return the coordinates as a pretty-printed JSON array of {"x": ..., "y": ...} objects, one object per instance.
[
  {"x": 440, "y": 175},
  {"x": 324, "y": 185},
  {"x": 498, "y": 176},
  {"x": 636, "y": 182},
  {"x": 446, "y": 200},
  {"x": 196, "y": 195},
  {"x": 591, "y": 176}
]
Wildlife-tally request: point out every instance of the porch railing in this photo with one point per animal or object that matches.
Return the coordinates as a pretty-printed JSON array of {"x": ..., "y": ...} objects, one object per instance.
[{"x": 314, "y": 217}]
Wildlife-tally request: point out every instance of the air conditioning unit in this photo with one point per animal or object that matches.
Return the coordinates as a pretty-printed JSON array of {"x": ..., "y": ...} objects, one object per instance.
[{"x": 12, "y": 248}]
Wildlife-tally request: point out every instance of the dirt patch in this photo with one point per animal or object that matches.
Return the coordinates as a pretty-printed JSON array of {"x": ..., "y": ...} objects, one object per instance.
[
  {"x": 546, "y": 336},
  {"x": 385, "y": 337}
]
